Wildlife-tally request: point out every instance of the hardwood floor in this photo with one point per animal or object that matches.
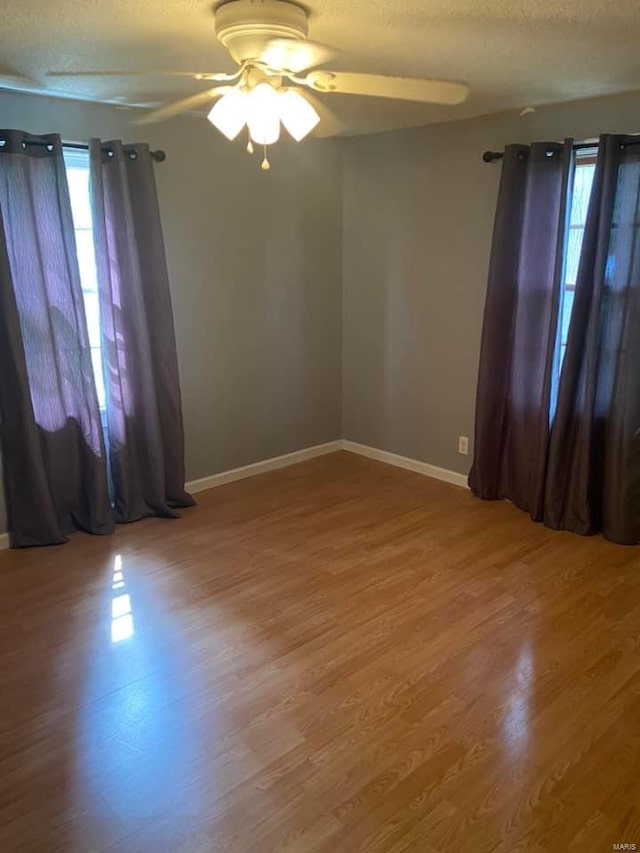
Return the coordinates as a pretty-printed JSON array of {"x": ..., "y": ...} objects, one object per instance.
[{"x": 335, "y": 657}]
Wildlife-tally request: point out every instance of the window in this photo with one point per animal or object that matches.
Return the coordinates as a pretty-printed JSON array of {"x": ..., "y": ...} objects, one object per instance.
[
  {"x": 585, "y": 167},
  {"x": 77, "y": 166}
]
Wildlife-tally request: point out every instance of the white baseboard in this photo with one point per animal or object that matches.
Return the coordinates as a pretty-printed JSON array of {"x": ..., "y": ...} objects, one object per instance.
[
  {"x": 262, "y": 467},
  {"x": 405, "y": 462},
  {"x": 310, "y": 453}
]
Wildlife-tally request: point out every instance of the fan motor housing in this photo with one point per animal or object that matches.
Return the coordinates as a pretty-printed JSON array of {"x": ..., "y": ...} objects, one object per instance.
[{"x": 245, "y": 26}]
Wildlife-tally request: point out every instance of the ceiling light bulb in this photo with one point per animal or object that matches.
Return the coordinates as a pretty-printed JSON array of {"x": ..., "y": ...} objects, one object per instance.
[
  {"x": 297, "y": 114},
  {"x": 229, "y": 114},
  {"x": 263, "y": 114}
]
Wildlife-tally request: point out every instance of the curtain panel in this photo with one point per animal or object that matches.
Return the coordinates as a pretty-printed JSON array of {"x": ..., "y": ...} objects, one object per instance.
[
  {"x": 144, "y": 413},
  {"x": 518, "y": 336},
  {"x": 572, "y": 462},
  {"x": 593, "y": 477},
  {"x": 50, "y": 431}
]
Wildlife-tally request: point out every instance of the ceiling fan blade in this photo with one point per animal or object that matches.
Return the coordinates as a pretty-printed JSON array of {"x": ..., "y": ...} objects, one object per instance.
[
  {"x": 9, "y": 79},
  {"x": 122, "y": 103},
  {"x": 183, "y": 105},
  {"x": 379, "y": 86},
  {"x": 296, "y": 56},
  {"x": 194, "y": 75}
]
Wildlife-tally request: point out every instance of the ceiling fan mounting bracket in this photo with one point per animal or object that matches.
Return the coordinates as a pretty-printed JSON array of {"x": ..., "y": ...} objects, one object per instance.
[{"x": 245, "y": 26}]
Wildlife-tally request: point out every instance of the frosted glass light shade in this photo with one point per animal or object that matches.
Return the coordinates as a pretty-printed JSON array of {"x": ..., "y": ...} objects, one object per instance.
[
  {"x": 263, "y": 114},
  {"x": 297, "y": 114},
  {"x": 229, "y": 114}
]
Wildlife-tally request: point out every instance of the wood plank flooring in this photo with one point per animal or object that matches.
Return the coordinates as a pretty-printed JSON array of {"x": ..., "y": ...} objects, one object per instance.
[{"x": 335, "y": 657}]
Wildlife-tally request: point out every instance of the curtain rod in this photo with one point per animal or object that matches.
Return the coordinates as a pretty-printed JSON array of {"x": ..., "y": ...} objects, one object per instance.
[
  {"x": 492, "y": 156},
  {"x": 159, "y": 156}
]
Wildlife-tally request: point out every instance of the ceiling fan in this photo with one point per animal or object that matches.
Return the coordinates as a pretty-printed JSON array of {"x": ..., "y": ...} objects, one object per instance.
[{"x": 277, "y": 76}]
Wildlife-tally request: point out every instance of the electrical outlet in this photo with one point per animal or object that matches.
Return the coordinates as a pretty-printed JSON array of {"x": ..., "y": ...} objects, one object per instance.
[{"x": 463, "y": 445}]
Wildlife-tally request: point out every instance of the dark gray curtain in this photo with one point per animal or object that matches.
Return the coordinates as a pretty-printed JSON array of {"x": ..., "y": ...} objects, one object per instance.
[
  {"x": 52, "y": 447},
  {"x": 518, "y": 337},
  {"x": 593, "y": 479},
  {"x": 145, "y": 431}
]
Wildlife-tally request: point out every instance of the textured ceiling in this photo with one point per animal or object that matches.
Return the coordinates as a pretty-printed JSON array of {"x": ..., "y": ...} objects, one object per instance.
[{"x": 511, "y": 52}]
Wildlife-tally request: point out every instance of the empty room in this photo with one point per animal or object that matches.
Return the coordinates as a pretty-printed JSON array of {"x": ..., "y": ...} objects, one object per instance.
[{"x": 319, "y": 426}]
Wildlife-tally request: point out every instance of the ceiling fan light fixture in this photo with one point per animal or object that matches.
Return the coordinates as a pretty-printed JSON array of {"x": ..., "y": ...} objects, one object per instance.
[
  {"x": 297, "y": 114},
  {"x": 229, "y": 114},
  {"x": 263, "y": 114}
]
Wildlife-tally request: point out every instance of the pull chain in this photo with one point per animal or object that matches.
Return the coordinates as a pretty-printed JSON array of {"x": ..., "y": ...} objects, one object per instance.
[
  {"x": 249, "y": 143},
  {"x": 265, "y": 165}
]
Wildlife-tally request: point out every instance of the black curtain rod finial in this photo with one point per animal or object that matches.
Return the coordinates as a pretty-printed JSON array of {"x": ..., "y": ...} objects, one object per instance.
[{"x": 491, "y": 156}]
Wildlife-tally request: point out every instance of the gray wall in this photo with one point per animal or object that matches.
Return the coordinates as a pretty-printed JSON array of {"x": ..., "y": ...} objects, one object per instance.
[
  {"x": 418, "y": 217},
  {"x": 277, "y": 278},
  {"x": 255, "y": 261}
]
